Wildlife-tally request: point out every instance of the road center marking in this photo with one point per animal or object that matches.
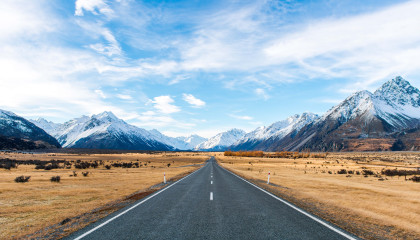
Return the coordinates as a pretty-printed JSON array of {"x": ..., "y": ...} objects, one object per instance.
[
  {"x": 211, "y": 196},
  {"x": 211, "y": 182}
]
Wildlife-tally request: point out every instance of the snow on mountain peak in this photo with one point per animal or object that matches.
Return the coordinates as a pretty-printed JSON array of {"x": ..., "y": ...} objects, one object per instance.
[
  {"x": 399, "y": 91},
  {"x": 396, "y": 102},
  {"x": 353, "y": 106},
  {"x": 106, "y": 117},
  {"x": 222, "y": 140},
  {"x": 279, "y": 129},
  {"x": 6, "y": 114}
]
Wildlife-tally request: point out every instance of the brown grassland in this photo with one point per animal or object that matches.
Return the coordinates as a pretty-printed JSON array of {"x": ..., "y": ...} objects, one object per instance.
[
  {"x": 33, "y": 206},
  {"x": 365, "y": 199}
]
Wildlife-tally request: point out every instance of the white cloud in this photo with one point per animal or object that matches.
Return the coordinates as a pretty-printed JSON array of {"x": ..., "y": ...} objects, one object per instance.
[
  {"x": 241, "y": 117},
  {"x": 24, "y": 18},
  {"x": 368, "y": 47},
  {"x": 262, "y": 93},
  {"x": 164, "y": 104},
  {"x": 124, "y": 96},
  {"x": 195, "y": 102},
  {"x": 109, "y": 45},
  {"x": 94, "y": 6},
  {"x": 100, "y": 93},
  {"x": 178, "y": 79}
]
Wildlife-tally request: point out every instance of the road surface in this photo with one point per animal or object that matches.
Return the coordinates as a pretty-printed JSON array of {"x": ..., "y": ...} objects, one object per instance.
[{"x": 211, "y": 203}]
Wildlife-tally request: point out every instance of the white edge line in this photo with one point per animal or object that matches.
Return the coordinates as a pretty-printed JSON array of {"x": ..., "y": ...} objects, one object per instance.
[
  {"x": 131, "y": 208},
  {"x": 296, "y": 208}
]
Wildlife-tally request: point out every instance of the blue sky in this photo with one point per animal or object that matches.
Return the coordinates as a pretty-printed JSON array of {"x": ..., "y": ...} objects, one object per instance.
[{"x": 202, "y": 67}]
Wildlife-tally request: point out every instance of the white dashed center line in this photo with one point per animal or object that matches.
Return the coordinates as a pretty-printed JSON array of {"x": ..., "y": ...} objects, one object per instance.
[
  {"x": 211, "y": 196},
  {"x": 211, "y": 182}
]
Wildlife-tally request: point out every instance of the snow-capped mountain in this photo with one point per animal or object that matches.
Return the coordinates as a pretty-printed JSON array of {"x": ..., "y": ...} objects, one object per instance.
[
  {"x": 276, "y": 130},
  {"x": 222, "y": 140},
  {"x": 77, "y": 132},
  {"x": 103, "y": 131},
  {"x": 18, "y": 133},
  {"x": 192, "y": 141},
  {"x": 396, "y": 103},
  {"x": 48, "y": 126},
  {"x": 393, "y": 108},
  {"x": 180, "y": 143}
]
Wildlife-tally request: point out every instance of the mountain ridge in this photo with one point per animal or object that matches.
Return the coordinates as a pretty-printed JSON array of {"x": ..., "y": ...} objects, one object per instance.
[{"x": 390, "y": 114}]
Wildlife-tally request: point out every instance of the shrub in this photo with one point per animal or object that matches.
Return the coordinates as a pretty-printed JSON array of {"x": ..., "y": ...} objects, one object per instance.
[
  {"x": 55, "y": 179},
  {"x": 108, "y": 167},
  {"x": 415, "y": 179},
  {"x": 329, "y": 172},
  {"x": 368, "y": 172},
  {"x": 396, "y": 172},
  {"x": 85, "y": 174},
  {"x": 7, "y": 164},
  {"x": 22, "y": 179},
  {"x": 169, "y": 164},
  {"x": 342, "y": 171}
]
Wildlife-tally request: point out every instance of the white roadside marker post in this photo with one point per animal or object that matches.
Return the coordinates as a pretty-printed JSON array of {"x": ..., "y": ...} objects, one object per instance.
[
  {"x": 164, "y": 178},
  {"x": 268, "y": 180}
]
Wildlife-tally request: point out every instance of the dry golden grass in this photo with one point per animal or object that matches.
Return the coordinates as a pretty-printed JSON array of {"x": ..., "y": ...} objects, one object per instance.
[
  {"x": 366, "y": 206},
  {"x": 28, "y": 207}
]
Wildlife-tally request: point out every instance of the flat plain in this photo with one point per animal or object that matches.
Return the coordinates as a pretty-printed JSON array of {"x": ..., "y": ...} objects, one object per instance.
[
  {"x": 360, "y": 192},
  {"x": 33, "y": 207}
]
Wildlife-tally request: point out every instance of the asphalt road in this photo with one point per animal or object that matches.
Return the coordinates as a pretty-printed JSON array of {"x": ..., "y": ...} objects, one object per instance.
[{"x": 211, "y": 203}]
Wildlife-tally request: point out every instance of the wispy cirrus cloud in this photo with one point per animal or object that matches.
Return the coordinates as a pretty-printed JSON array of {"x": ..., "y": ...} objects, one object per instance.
[
  {"x": 124, "y": 96},
  {"x": 241, "y": 117},
  {"x": 94, "y": 6}
]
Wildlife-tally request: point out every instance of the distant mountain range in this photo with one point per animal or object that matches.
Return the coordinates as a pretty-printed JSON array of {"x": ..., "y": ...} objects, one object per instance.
[
  {"x": 221, "y": 141},
  {"x": 388, "y": 119},
  {"x": 106, "y": 131}
]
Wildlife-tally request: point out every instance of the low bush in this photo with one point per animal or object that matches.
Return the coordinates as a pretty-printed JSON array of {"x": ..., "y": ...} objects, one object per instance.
[
  {"x": 85, "y": 174},
  {"x": 22, "y": 179},
  {"x": 415, "y": 179},
  {"x": 8, "y": 164},
  {"x": 368, "y": 172},
  {"x": 342, "y": 171},
  {"x": 396, "y": 172},
  {"x": 55, "y": 179}
]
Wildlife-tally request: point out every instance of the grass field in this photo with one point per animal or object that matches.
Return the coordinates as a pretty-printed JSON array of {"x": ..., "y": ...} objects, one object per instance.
[
  {"x": 373, "y": 206},
  {"x": 34, "y": 205}
]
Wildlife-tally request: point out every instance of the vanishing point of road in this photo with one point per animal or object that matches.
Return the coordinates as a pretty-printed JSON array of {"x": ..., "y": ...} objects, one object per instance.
[{"x": 211, "y": 203}]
